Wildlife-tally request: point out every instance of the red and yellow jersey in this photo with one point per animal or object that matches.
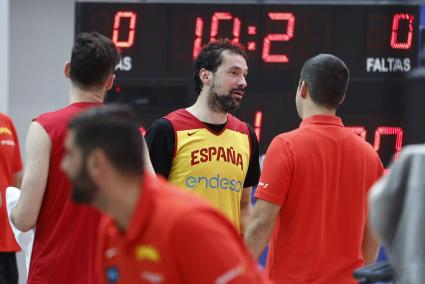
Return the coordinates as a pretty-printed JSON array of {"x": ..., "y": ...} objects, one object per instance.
[{"x": 211, "y": 165}]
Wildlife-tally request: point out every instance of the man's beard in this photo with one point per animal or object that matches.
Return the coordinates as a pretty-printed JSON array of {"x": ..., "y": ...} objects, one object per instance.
[
  {"x": 223, "y": 103},
  {"x": 85, "y": 189}
]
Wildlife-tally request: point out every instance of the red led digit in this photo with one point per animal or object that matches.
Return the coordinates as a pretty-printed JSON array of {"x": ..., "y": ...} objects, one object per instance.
[
  {"x": 132, "y": 28},
  {"x": 258, "y": 124},
  {"x": 407, "y": 44},
  {"x": 236, "y": 30},
  {"x": 358, "y": 130},
  {"x": 197, "y": 44},
  {"x": 276, "y": 58},
  {"x": 225, "y": 16},
  {"x": 215, "y": 22},
  {"x": 385, "y": 130}
]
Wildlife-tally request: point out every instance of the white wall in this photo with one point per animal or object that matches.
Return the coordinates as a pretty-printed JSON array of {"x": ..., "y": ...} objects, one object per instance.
[
  {"x": 4, "y": 55},
  {"x": 41, "y": 34}
]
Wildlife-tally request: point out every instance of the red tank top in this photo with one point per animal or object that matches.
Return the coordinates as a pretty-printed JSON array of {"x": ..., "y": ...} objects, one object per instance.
[{"x": 66, "y": 233}]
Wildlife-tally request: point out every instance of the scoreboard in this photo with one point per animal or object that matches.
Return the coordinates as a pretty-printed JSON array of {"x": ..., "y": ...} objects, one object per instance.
[{"x": 379, "y": 43}]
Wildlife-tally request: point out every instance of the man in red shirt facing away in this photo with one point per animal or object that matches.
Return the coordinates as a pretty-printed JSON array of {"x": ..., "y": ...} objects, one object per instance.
[
  {"x": 156, "y": 233},
  {"x": 66, "y": 233},
  {"x": 313, "y": 188},
  {"x": 10, "y": 175}
]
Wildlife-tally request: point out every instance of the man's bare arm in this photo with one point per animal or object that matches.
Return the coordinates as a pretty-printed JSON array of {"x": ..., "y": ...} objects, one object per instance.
[
  {"x": 37, "y": 153},
  {"x": 17, "y": 179},
  {"x": 260, "y": 226},
  {"x": 245, "y": 207},
  {"x": 146, "y": 158},
  {"x": 370, "y": 246}
]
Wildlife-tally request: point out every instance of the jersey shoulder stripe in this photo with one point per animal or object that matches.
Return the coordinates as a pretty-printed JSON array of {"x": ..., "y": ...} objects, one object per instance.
[{"x": 182, "y": 120}]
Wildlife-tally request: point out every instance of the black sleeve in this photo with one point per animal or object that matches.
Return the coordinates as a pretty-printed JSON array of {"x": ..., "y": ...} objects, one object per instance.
[
  {"x": 160, "y": 140},
  {"x": 253, "y": 174}
]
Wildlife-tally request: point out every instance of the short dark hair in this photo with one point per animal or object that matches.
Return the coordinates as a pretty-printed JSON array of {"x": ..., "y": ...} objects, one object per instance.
[
  {"x": 210, "y": 58},
  {"x": 327, "y": 79},
  {"x": 93, "y": 58},
  {"x": 112, "y": 128}
]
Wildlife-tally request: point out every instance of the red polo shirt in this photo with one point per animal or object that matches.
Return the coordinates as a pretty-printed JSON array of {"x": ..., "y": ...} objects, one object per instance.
[
  {"x": 319, "y": 174},
  {"x": 174, "y": 237}
]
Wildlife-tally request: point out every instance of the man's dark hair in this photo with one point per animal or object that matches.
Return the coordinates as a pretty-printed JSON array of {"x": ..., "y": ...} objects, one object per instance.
[
  {"x": 112, "y": 128},
  {"x": 210, "y": 58},
  {"x": 327, "y": 79},
  {"x": 93, "y": 59}
]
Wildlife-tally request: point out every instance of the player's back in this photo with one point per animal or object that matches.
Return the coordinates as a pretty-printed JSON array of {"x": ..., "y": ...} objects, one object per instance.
[{"x": 66, "y": 234}]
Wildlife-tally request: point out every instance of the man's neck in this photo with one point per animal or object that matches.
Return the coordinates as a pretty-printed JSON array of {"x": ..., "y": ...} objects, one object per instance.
[
  {"x": 121, "y": 203},
  {"x": 202, "y": 111},
  {"x": 77, "y": 95},
  {"x": 315, "y": 110}
]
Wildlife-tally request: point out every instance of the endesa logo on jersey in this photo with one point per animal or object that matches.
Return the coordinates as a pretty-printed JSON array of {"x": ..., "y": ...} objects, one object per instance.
[{"x": 215, "y": 182}]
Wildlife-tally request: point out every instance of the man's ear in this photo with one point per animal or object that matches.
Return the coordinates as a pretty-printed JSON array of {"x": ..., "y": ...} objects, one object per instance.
[
  {"x": 110, "y": 82},
  {"x": 304, "y": 93},
  {"x": 205, "y": 76},
  {"x": 67, "y": 70},
  {"x": 95, "y": 163}
]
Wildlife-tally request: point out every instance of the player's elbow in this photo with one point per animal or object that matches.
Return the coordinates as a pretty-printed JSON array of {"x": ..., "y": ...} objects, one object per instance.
[
  {"x": 258, "y": 227},
  {"x": 23, "y": 224},
  {"x": 264, "y": 224}
]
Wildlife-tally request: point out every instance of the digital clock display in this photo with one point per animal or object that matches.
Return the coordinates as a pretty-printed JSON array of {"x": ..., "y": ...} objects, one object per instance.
[{"x": 379, "y": 44}]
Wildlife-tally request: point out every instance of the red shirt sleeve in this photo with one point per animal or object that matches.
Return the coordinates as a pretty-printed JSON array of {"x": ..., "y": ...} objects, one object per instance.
[
  {"x": 277, "y": 172},
  {"x": 208, "y": 249}
]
